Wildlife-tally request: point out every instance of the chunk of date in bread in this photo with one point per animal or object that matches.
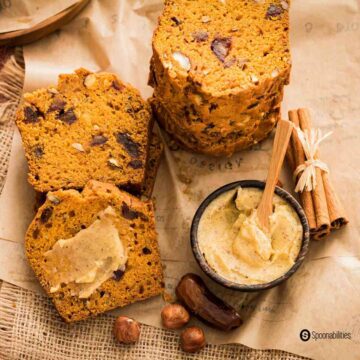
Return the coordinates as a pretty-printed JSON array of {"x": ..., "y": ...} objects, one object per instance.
[
  {"x": 219, "y": 68},
  {"x": 90, "y": 126},
  {"x": 65, "y": 213}
]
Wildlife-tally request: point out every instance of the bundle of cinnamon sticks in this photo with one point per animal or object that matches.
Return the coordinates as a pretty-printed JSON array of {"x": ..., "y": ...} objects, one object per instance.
[{"x": 321, "y": 205}]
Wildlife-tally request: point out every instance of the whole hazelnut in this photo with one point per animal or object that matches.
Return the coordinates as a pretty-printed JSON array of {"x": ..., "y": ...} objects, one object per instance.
[
  {"x": 174, "y": 316},
  {"x": 126, "y": 330},
  {"x": 192, "y": 339}
]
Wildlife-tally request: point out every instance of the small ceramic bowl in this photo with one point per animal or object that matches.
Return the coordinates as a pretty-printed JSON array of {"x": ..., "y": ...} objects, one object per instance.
[{"x": 237, "y": 286}]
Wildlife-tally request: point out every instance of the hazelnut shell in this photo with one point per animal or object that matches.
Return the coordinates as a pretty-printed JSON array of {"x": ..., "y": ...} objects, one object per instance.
[
  {"x": 126, "y": 330},
  {"x": 174, "y": 316},
  {"x": 192, "y": 339}
]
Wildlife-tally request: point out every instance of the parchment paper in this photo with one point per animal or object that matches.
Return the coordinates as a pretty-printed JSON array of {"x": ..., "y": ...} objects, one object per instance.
[
  {"x": 323, "y": 296},
  {"x": 24, "y": 14}
]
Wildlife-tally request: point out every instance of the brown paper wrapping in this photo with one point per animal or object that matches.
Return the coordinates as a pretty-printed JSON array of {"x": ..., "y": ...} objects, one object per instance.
[
  {"x": 116, "y": 36},
  {"x": 24, "y": 14}
]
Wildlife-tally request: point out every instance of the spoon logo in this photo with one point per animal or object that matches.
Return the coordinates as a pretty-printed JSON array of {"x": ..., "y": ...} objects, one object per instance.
[{"x": 305, "y": 335}]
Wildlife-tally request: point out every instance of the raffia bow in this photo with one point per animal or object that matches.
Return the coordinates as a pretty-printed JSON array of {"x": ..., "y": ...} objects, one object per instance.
[{"x": 310, "y": 141}]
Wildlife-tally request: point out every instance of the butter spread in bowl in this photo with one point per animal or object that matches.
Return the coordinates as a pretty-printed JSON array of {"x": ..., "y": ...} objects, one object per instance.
[{"x": 233, "y": 245}]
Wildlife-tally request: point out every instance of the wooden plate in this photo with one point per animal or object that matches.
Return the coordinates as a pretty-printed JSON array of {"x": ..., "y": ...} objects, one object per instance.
[{"x": 26, "y": 36}]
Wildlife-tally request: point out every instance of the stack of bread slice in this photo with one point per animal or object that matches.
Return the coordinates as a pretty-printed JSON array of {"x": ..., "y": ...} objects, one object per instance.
[
  {"x": 91, "y": 150},
  {"x": 218, "y": 71}
]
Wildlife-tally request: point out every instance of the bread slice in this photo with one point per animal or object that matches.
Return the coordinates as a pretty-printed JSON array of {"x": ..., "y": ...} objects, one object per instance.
[
  {"x": 225, "y": 145},
  {"x": 64, "y": 214},
  {"x": 90, "y": 126},
  {"x": 156, "y": 150},
  {"x": 219, "y": 68}
]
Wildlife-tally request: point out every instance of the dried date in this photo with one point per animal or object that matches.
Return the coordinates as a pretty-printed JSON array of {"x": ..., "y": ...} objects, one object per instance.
[
  {"x": 221, "y": 47},
  {"x": 194, "y": 294},
  {"x": 98, "y": 140},
  {"x": 130, "y": 146},
  {"x": 32, "y": 116},
  {"x": 273, "y": 11}
]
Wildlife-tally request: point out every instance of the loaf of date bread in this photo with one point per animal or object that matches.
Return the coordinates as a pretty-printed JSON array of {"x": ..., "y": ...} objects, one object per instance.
[
  {"x": 218, "y": 70},
  {"x": 89, "y": 126},
  {"x": 63, "y": 215}
]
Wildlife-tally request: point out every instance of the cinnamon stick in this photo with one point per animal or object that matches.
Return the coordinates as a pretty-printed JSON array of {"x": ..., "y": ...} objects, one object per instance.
[
  {"x": 337, "y": 213},
  {"x": 290, "y": 156},
  {"x": 299, "y": 159},
  {"x": 322, "y": 206},
  {"x": 318, "y": 194}
]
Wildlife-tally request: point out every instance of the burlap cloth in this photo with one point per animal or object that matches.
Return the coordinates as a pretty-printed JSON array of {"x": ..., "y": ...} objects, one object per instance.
[{"x": 30, "y": 328}]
